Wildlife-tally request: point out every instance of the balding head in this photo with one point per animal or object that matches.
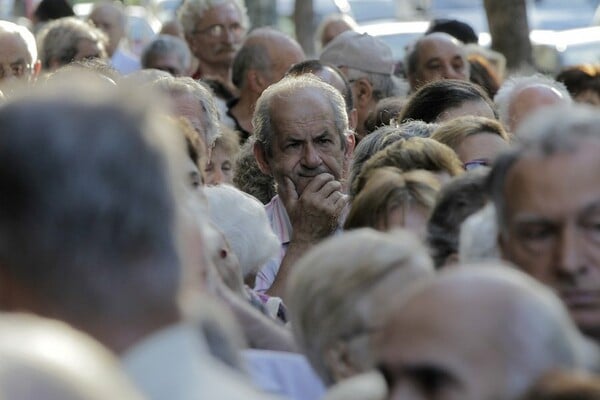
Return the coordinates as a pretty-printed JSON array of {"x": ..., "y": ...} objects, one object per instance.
[
  {"x": 485, "y": 332},
  {"x": 435, "y": 57},
  {"x": 264, "y": 58},
  {"x": 110, "y": 17}
]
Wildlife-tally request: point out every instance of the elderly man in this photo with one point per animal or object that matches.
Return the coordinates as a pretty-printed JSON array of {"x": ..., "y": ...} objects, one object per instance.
[
  {"x": 368, "y": 64},
  {"x": 214, "y": 30},
  {"x": 168, "y": 53},
  {"x": 89, "y": 234},
  {"x": 69, "y": 39},
  {"x": 547, "y": 198},
  {"x": 303, "y": 141},
  {"x": 194, "y": 101},
  {"x": 435, "y": 57},
  {"x": 519, "y": 97},
  {"x": 476, "y": 333},
  {"x": 264, "y": 58},
  {"x": 111, "y": 18},
  {"x": 18, "y": 53}
]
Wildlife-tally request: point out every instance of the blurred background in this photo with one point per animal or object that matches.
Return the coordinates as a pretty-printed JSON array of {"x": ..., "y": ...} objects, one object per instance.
[{"x": 537, "y": 34}]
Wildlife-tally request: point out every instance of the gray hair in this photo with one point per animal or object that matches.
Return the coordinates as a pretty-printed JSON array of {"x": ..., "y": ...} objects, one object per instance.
[
  {"x": 186, "y": 85},
  {"x": 192, "y": 10},
  {"x": 383, "y": 85},
  {"x": 59, "y": 38},
  {"x": 512, "y": 86},
  {"x": 382, "y": 138},
  {"x": 243, "y": 221},
  {"x": 24, "y": 34},
  {"x": 167, "y": 44},
  {"x": 478, "y": 237},
  {"x": 263, "y": 127},
  {"x": 553, "y": 130},
  {"x": 337, "y": 284}
]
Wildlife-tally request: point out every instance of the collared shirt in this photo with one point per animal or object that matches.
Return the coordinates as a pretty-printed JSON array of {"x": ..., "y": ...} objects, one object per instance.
[{"x": 282, "y": 227}]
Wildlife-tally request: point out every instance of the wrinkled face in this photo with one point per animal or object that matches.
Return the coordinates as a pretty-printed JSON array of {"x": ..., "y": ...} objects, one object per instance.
[
  {"x": 15, "y": 60},
  {"x": 306, "y": 142},
  {"x": 220, "y": 168},
  {"x": 109, "y": 19},
  {"x": 218, "y": 35},
  {"x": 439, "y": 57},
  {"x": 476, "y": 108},
  {"x": 169, "y": 63},
  {"x": 552, "y": 226},
  {"x": 483, "y": 147},
  {"x": 433, "y": 353}
]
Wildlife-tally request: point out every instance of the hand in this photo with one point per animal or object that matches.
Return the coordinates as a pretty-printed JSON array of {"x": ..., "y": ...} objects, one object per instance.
[{"x": 315, "y": 214}]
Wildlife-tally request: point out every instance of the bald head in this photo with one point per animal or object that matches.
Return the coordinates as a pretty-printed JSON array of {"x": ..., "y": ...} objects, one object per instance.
[
  {"x": 483, "y": 332},
  {"x": 435, "y": 57},
  {"x": 110, "y": 17},
  {"x": 530, "y": 99},
  {"x": 264, "y": 58}
]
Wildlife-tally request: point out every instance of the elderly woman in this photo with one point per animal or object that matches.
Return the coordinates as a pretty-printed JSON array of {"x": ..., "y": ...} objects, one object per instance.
[
  {"x": 392, "y": 199},
  {"x": 337, "y": 294}
]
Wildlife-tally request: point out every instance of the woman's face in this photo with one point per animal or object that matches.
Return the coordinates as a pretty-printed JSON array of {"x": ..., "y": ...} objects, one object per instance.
[{"x": 408, "y": 215}]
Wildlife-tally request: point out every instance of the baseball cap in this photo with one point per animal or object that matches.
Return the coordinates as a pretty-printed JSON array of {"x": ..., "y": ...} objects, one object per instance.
[{"x": 359, "y": 51}]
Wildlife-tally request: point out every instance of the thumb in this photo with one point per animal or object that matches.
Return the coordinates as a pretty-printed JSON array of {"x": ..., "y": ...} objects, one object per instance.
[{"x": 288, "y": 194}]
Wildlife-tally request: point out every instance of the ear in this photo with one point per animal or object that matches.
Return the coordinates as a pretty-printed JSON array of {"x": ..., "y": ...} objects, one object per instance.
[
  {"x": 37, "y": 67},
  {"x": 261, "y": 158},
  {"x": 337, "y": 360},
  {"x": 255, "y": 81},
  {"x": 364, "y": 93},
  {"x": 350, "y": 144},
  {"x": 353, "y": 119}
]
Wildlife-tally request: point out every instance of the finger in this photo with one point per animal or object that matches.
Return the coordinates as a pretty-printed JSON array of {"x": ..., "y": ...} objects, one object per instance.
[
  {"x": 341, "y": 203},
  {"x": 318, "y": 182},
  {"x": 287, "y": 192},
  {"x": 330, "y": 188}
]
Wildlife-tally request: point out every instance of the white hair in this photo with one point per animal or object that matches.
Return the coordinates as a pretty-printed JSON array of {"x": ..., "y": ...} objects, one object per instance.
[
  {"x": 24, "y": 34},
  {"x": 243, "y": 221},
  {"x": 479, "y": 236},
  {"x": 192, "y": 10},
  {"x": 516, "y": 84}
]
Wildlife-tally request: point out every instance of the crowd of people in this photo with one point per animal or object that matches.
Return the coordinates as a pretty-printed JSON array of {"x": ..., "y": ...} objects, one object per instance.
[{"x": 228, "y": 218}]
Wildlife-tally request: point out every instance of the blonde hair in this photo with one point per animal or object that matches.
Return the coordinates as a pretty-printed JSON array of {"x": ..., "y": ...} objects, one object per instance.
[{"x": 453, "y": 132}]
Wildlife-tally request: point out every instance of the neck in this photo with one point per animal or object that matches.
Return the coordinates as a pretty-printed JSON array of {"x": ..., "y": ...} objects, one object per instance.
[{"x": 244, "y": 109}]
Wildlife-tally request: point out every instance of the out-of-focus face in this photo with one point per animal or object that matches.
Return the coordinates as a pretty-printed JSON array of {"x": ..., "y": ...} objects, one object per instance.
[
  {"x": 220, "y": 167},
  {"x": 482, "y": 147},
  {"x": 218, "y": 35},
  {"x": 476, "y": 108},
  {"x": 552, "y": 228},
  {"x": 15, "y": 61},
  {"x": 170, "y": 63},
  {"x": 89, "y": 49},
  {"x": 435, "y": 352},
  {"x": 306, "y": 142},
  {"x": 109, "y": 19},
  {"x": 409, "y": 215},
  {"x": 440, "y": 56},
  {"x": 589, "y": 96}
]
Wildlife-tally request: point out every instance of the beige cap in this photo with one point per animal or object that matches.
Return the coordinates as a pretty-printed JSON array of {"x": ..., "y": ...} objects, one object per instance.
[{"x": 359, "y": 51}]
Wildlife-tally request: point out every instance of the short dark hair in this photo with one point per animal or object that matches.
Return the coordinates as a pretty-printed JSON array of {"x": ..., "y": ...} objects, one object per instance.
[
  {"x": 458, "y": 199},
  {"x": 457, "y": 29},
  {"x": 87, "y": 216},
  {"x": 432, "y": 99}
]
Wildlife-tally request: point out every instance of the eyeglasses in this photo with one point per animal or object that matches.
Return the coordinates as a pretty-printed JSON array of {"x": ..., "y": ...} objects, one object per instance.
[
  {"x": 476, "y": 164},
  {"x": 17, "y": 69},
  {"x": 217, "y": 31}
]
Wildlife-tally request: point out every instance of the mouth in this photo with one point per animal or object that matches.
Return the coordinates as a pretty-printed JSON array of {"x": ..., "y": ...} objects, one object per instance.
[{"x": 580, "y": 299}]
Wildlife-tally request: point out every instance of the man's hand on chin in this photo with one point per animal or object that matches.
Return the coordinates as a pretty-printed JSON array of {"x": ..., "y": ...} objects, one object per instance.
[{"x": 315, "y": 213}]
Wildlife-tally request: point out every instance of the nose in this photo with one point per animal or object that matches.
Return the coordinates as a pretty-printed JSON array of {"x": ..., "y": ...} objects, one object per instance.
[
  {"x": 216, "y": 177},
  {"x": 570, "y": 257},
  {"x": 451, "y": 73},
  {"x": 311, "y": 157}
]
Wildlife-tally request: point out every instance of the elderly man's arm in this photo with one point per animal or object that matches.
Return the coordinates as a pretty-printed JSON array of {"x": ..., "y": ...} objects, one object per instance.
[{"x": 314, "y": 215}]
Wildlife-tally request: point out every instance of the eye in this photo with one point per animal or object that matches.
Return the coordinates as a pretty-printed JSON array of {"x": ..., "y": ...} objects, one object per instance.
[
  {"x": 536, "y": 232},
  {"x": 226, "y": 166}
]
